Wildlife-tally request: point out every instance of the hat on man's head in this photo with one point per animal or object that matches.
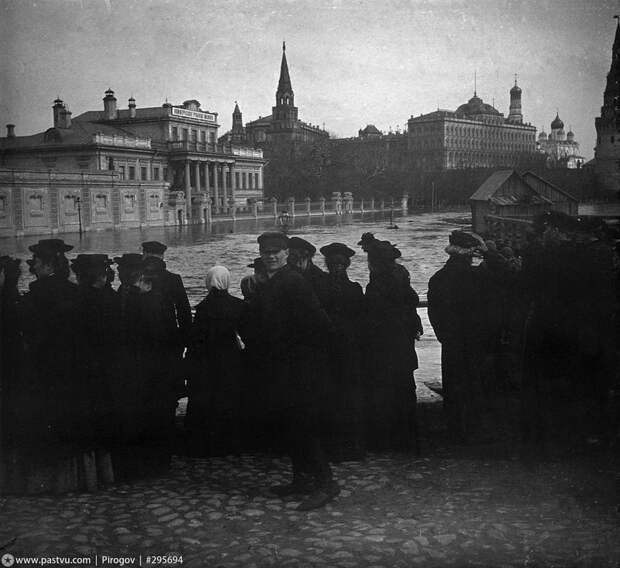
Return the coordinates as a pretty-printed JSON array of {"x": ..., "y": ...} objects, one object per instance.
[
  {"x": 301, "y": 244},
  {"x": 153, "y": 247},
  {"x": 129, "y": 260},
  {"x": 153, "y": 265},
  {"x": 273, "y": 239},
  {"x": 50, "y": 246},
  {"x": 366, "y": 240},
  {"x": 90, "y": 263},
  {"x": 337, "y": 248}
]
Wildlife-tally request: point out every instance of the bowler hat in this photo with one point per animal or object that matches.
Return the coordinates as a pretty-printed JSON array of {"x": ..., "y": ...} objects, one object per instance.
[
  {"x": 301, "y": 244},
  {"x": 273, "y": 239},
  {"x": 337, "y": 248},
  {"x": 50, "y": 246},
  {"x": 154, "y": 247}
]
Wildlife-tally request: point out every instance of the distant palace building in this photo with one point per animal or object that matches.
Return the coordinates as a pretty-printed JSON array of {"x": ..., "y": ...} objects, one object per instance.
[
  {"x": 561, "y": 149},
  {"x": 475, "y": 135},
  {"x": 282, "y": 125},
  {"x": 607, "y": 150},
  {"x": 148, "y": 166}
]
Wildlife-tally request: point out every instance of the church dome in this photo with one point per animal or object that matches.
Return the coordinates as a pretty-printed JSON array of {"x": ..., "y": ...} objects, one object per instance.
[
  {"x": 542, "y": 134},
  {"x": 557, "y": 123},
  {"x": 570, "y": 135},
  {"x": 515, "y": 90}
]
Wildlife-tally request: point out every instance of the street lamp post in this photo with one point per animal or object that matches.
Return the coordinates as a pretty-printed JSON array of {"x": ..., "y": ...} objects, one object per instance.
[{"x": 79, "y": 207}]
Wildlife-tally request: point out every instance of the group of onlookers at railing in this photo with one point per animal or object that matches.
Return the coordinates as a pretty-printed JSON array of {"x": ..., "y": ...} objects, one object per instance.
[
  {"x": 537, "y": 330},
  {"x": 305, "y": 363}
]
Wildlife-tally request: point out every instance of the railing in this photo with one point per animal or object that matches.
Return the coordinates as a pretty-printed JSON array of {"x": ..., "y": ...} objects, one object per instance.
[
  {"x": 202, "y": 147},
  {"x": 248, "y": 152}
]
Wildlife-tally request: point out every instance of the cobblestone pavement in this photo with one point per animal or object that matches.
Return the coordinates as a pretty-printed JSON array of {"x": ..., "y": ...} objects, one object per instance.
[{"x": 394, "y": 510}]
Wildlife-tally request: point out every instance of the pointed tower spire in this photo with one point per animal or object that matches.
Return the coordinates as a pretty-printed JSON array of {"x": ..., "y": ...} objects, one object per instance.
[{"x": 285, "y": 81}]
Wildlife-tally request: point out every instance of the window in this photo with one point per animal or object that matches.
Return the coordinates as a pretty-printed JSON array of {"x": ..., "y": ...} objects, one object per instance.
[
  {"x": 3, "y": 205},
  {"x": 175, "y": 133},
  {"x": 154, "y": 201},
  {"x": 130, "y": 202},
  {"x": 142, "y": 172},
  {"x": 236, "y": 179},
  {"x": 36, "y": 204},
  {"x": 165, "y": 174},
  {"x": 121, "y": 170},
  {"x": 70, "y": 204},
  {"x": 212, "y": 137},
  {"x": 194, "y": 136},
  {"x": 110, "y": 163},
  {"x": 101, "y": 202},
  {"x": 203, "y": 136},
  {"x": 250, "y": 180},
  {"x": 132, "y": 172},
  {"x": 185, "y": 134},
  {"x": 156, "y": 173},
  {"x": 256, "y": 181}
]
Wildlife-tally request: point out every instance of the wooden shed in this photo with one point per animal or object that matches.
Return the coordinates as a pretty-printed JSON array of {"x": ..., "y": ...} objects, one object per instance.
[
  {"x": 561, "y": 199},
  {"x": 506, "y": 194}
]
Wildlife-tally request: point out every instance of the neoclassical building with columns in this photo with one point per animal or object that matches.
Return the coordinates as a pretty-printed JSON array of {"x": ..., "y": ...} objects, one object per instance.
[{"x": 172, "y": 151}]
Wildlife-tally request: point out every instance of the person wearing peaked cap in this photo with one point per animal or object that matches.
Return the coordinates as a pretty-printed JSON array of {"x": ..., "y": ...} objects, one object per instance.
[
  {"x": 154, "y": 248},
  {"x": 344, "y": 304},
  {"x": 293, "y": 339},
  {"x": 91, "y": 269},
  {"x": 455, "y": 310},
  {"x": 275, "y": 240},
  {"x": 171, "y": 285},
  {"x": 393, "y": 326},
  {"x": 300, "y": 258}
]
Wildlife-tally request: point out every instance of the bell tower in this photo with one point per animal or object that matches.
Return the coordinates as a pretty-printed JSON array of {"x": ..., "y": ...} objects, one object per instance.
[{"x": 285, "y": 111}]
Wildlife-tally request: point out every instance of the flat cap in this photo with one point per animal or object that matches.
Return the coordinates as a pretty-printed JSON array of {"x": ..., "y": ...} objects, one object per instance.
[
  {"x": 273, "y": 239},
  {"x": 337, "y": 248},
  {"x": 366, "y": 239},
  {"x": 154, "y": 247},
  {"x": 301, "y": 244},
  {"x": 50, "y": 246}
]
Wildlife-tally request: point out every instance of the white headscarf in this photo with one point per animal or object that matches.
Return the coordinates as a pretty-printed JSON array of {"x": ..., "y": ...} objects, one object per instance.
[{"x": 218, "y": 277}]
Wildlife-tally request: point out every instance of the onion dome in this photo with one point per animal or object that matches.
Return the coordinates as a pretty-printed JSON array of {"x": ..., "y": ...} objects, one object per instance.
[
  {"x": 516, "y": 90},
  {"x": 570, "y": 136},
  {"x": 542, "y": 135},
  {"x": 557, "y": 123}
]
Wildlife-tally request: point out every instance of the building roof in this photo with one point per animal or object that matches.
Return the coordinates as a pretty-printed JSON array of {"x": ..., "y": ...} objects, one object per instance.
[
  {"x": 529, "y": 174},
  {"x": 475, "y": 106},
  {"x": 371, "y": 129},
  {"x": 491, "y": 185},
  {"x": 557, "y": 122},
  {"x": 262, "y": 121},
  {"x": 80, "y": 133}
]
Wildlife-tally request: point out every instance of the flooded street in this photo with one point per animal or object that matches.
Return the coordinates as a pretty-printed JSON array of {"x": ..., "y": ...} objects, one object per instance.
[{"x": 192, "y": 250}]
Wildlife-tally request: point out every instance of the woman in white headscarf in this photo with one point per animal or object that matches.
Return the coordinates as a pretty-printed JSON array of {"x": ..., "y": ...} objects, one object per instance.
[{"x": 213, "y": 420}]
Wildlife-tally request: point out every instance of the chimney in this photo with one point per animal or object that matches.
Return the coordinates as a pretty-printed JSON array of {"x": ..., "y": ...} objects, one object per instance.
[
  {"x": 132, "y": 108},
  {"x": 109, "y": 105},
  {"x": 57, "y": 108},
  {"x": 10, "y": 131},
  {"x": 65, "y": 118}
]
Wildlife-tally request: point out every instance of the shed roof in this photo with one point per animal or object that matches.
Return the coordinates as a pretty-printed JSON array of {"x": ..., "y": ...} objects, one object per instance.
[
  {"x": 492, "y": 184},
  {"x": 528, "y": 174}
]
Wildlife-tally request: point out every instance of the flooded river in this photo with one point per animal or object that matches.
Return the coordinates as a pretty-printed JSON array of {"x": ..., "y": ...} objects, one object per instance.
[{"x": 192, "y": 250}]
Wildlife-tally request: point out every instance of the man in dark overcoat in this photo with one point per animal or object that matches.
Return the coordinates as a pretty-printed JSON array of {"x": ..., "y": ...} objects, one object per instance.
[
  {"x": 295, "y": 330},
  {"x": 171, "y": 287},
  {"x": 455, "y": 314}
]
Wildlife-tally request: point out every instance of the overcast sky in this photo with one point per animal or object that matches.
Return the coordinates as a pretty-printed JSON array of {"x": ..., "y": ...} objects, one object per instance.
[{"x": 352, "y": 62}]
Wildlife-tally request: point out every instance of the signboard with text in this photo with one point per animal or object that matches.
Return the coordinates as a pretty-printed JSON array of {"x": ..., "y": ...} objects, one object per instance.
[{"x": 196, "y": 115}]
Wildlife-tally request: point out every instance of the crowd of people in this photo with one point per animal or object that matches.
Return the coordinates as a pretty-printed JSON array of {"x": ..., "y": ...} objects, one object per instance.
[
  {"x": 538, "y": 328},
  {"x": 307, "y": 363}
]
